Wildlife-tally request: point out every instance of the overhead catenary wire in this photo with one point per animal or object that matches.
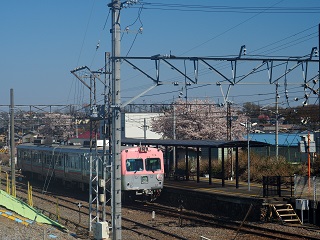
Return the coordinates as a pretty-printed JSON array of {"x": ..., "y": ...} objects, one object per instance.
[
  {"x": 282, "y": 40},
  {"x": 243, "y": 9},
  {"x": 227, "y": 9},
  {"x": 231, "y": 28},
  {"x": 285, "y": 45},
  {"x": 79, "y": 89},
  {"x": 98, "y": 43},
  {"x": 239, "y": 76},
  {"x": 200, "y": 85},
  {"x": 139, "y": 31},
  {"x": 143, "y": 6},
  {"x": 220, "y": 34}
]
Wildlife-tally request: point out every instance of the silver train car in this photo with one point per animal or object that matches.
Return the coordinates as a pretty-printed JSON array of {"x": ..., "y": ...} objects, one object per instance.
[{"x": 142, "y": 168}]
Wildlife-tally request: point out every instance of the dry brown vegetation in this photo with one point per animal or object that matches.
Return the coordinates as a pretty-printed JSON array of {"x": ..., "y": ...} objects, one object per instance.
[
  {"x": 4, "y": 158},
  {"x": 259, "y": 167},
  {"x": 268, "y": 166}
]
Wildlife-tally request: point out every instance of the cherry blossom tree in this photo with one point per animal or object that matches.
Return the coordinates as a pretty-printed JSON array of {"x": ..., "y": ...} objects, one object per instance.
[{"x": 199, "y": 120}]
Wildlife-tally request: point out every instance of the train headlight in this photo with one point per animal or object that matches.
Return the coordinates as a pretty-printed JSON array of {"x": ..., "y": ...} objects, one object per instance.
[
  {"x": 144, "y": 179},
  {"x": 159, "y": 177}
]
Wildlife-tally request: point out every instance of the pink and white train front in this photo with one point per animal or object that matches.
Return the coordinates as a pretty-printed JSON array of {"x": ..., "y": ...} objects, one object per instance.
[{"x": 142, "y": 172}]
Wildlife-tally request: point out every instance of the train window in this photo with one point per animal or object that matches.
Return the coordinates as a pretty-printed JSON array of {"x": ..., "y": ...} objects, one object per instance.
[
  {"x": 76, "y": 162},
  {"x": 66, "y": 159},
  {"x": 44, "y": 157},
  {"x": 49, "y": 159},
  {"x": 60, "y": 161},
  {"x": 73, "y": 161},
  {"x": 40, "y": 157},
  {"x": 134, "y": 164},
  {"x": 26, "y": 155},
  {"x": 153, "y": 164},
  {"x": 86, "y": 161},
  {"x": 55, "y": 159},
  {"x": 32, "y": 156}
]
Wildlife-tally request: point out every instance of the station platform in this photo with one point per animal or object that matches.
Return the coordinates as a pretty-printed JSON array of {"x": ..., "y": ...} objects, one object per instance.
[
  {"x": 254, "y": 191},
  {"x": 227, "y": 201}
]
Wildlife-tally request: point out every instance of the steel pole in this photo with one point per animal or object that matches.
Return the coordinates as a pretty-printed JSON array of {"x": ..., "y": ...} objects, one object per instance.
[
  {"x": 12, "y": 144},
  {"x": 248, "y": 131},
  {"x": 174, "y": 135},
  {"x": 277, "y": 123}
]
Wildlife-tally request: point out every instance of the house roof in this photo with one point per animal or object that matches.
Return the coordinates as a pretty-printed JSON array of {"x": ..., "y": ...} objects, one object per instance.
[
  {"x": 30, "y": 133},
  {"x": 284, "y": 139},
  {"x": 193, "y": 143},
  {"x": 86, "y": 135}
]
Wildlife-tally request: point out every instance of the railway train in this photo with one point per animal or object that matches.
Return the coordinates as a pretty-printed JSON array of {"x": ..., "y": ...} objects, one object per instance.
[{"x": 142, "y": 168}]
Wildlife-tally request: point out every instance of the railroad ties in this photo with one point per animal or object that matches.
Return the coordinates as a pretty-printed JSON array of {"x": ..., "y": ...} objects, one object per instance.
[{"x": 15, "y": 217}]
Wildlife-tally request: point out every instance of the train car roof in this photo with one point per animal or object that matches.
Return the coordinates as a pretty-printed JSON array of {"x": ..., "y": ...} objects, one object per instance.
[
  {"x": 54, "y": 147},
  {"x": 63, "y": 148}
]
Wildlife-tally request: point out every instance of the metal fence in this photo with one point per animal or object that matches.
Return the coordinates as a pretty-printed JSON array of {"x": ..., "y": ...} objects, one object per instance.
[
  {"x": 307, "y": 188},
  {"x": 277, "y": 186}
]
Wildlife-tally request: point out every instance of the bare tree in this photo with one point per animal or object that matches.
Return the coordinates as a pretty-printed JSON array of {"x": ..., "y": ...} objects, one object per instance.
[{"x": 57, "y": 125}]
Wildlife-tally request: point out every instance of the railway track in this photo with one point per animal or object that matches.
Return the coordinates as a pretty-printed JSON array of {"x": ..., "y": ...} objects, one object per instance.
[
  {"x": 127, "y": 224},
  {"x": 204, "y": 219},
  {"x": 73, "y": 217}
]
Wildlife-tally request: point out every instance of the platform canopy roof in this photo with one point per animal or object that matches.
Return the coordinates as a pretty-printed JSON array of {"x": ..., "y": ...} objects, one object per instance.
[{"x": 192, "y": 143}]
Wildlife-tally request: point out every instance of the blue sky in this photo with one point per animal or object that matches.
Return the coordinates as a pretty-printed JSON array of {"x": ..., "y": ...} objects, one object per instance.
[{"x": 41, "y": 41}]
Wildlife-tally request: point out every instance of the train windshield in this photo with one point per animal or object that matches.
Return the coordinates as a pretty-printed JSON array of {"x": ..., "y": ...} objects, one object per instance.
[
  {"x": 153, "y": 164},
  {"x": 134, "y": 164}
]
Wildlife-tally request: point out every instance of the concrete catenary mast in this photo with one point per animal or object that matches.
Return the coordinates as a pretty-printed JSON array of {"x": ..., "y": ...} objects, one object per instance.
[{"x": 116, "y": 121}]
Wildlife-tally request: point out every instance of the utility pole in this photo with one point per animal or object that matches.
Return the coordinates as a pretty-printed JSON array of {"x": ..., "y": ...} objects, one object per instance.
[
  {"x": 248, "y": 125},
  {"x": 116, "y": 122},
  {"x": 77, "y": 132},
  {"x": 145, "y": 127},
  {"x": 106, "y": 132},
  {"x": 309, "y": 162},
  {"x": 174, "y": 135},
  {"x": 277, "y": 123},
  {"x": 229, "y": 120},
  {"x": 12, "y": 145}
]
